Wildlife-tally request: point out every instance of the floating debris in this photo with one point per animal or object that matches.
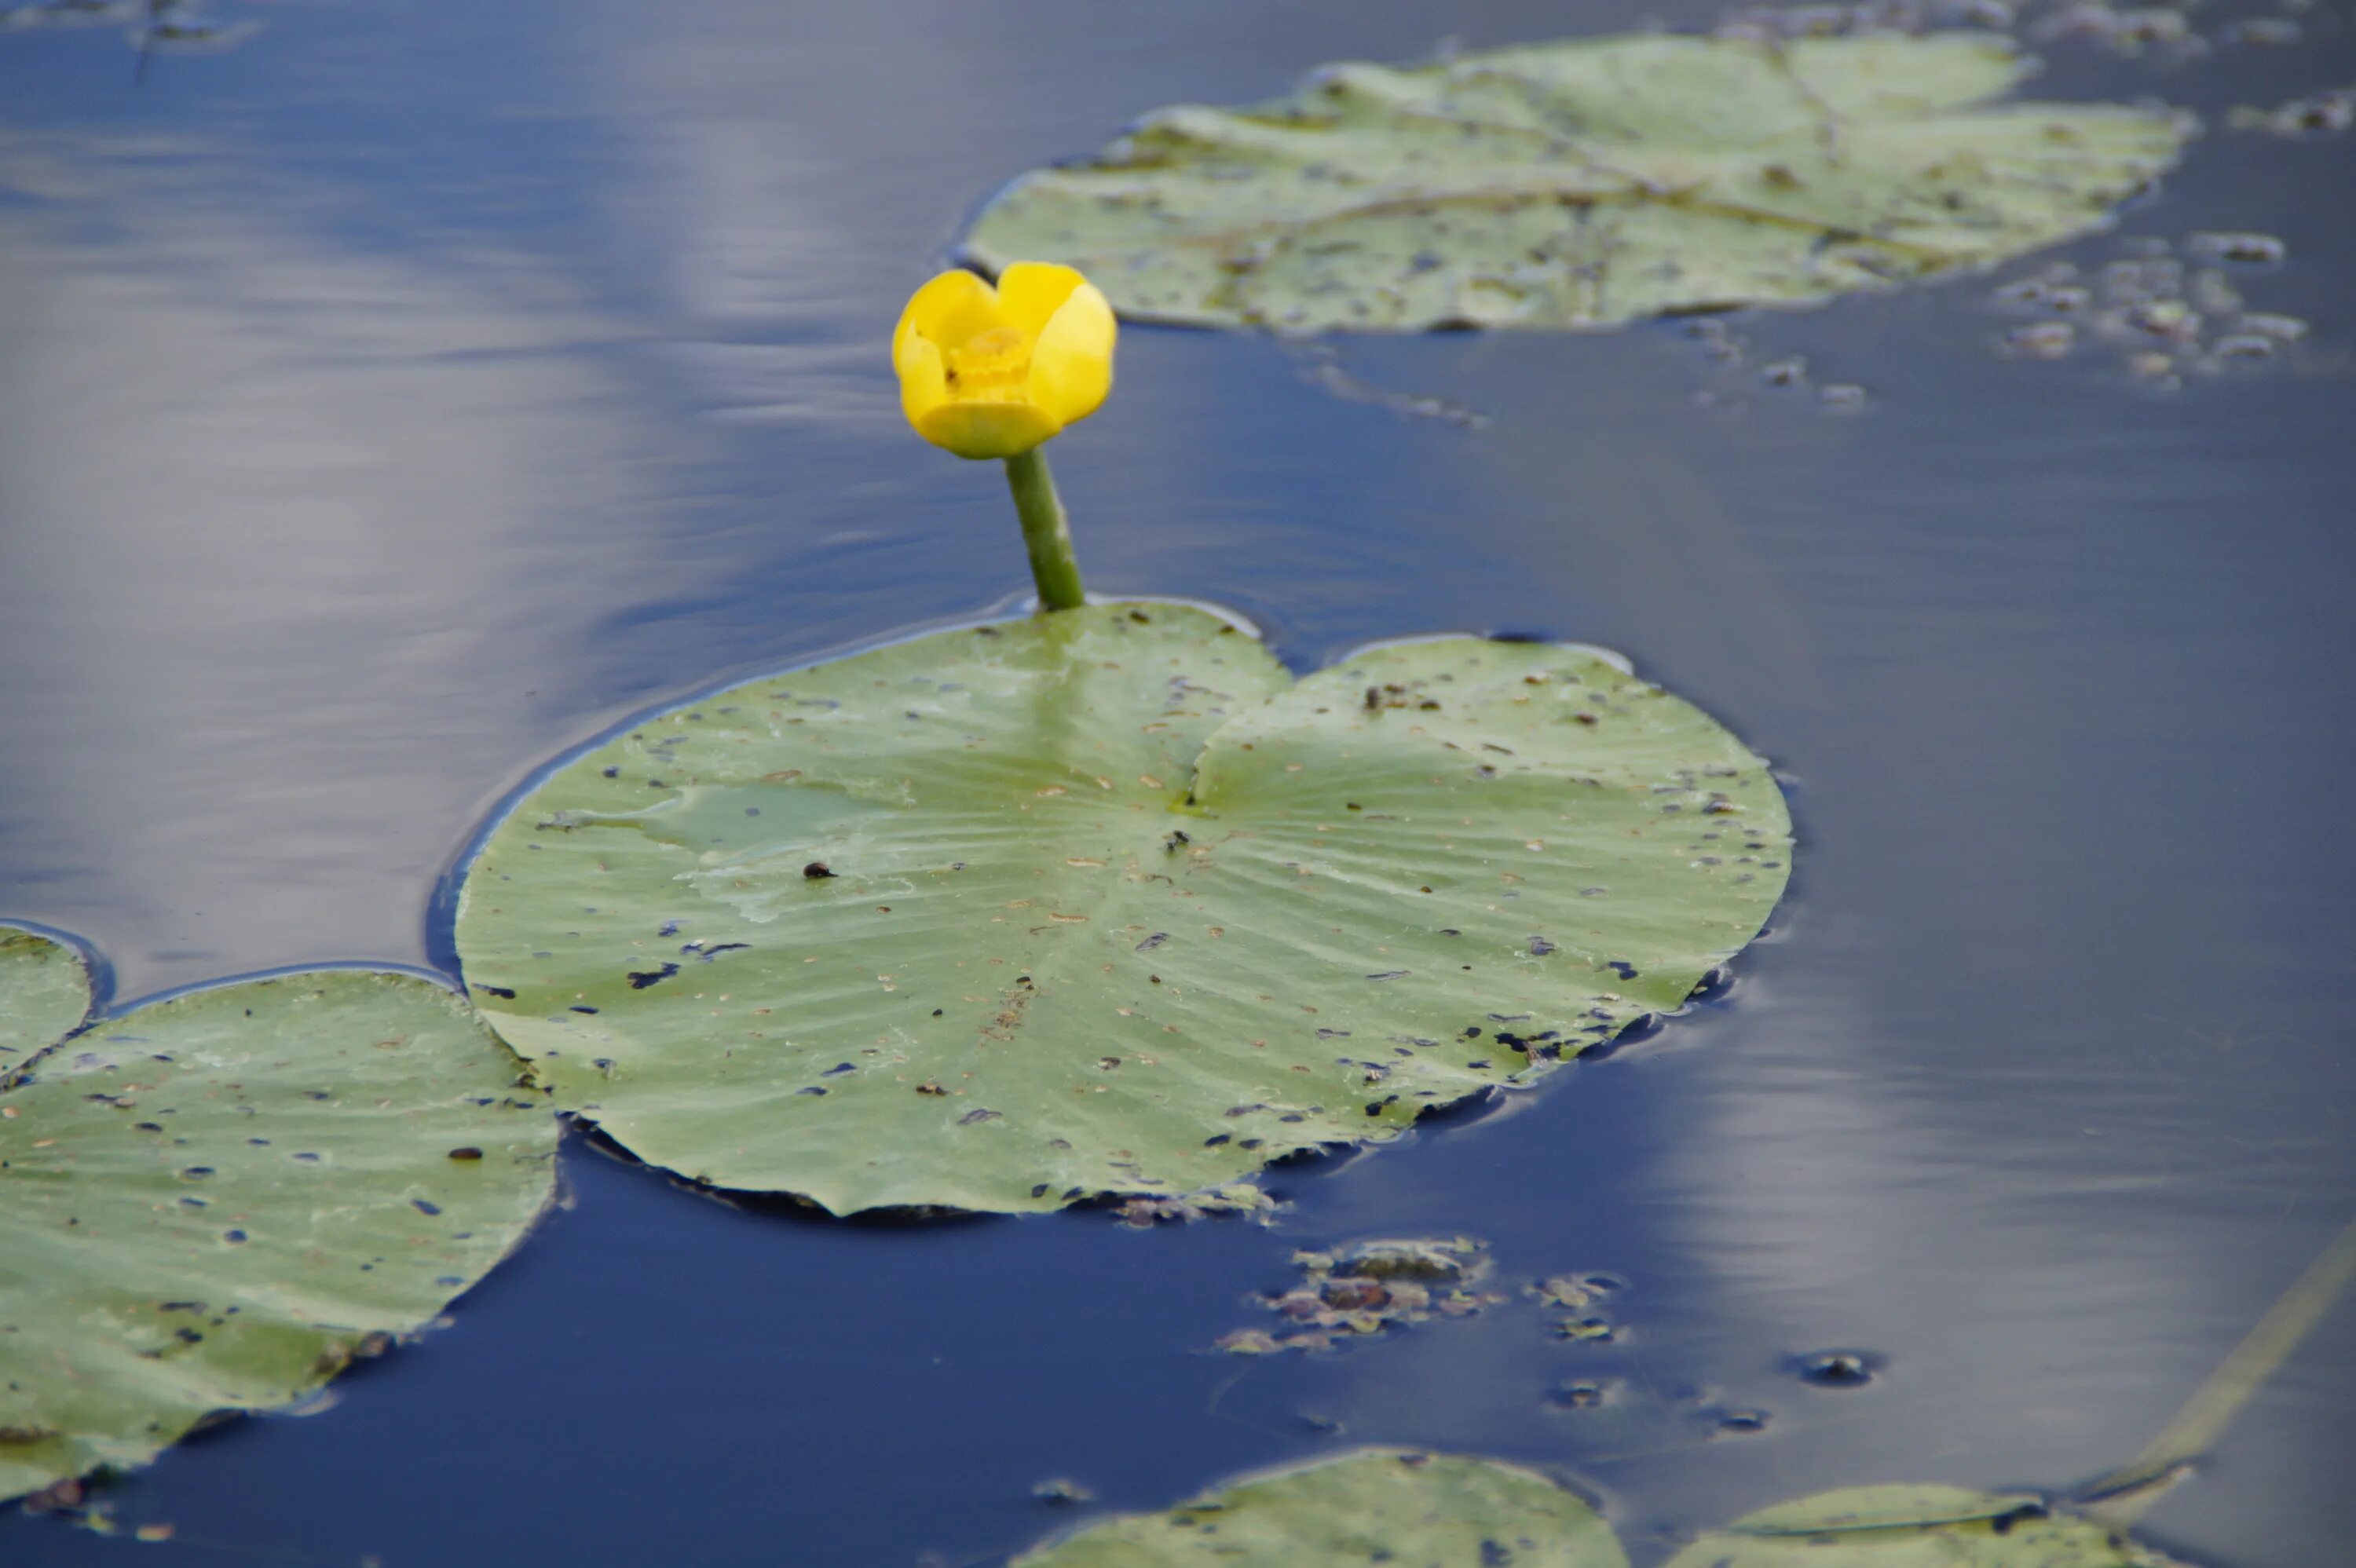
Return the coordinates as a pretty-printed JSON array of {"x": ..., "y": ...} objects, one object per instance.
[
  {"x": 1321, "y": 366},
  {"x": 2260, "y": 250},
  {"x": 1370, "y": 1289},
  {"x": 1837, "y": 1368},
  {"x": 2041, "y": 340},
  {"x": 1732, "y": 385},
  {"x": 2163, "y": 312},
  {"x": 2322, "y": 115},
  {"x": 1236, "y": 1197}
]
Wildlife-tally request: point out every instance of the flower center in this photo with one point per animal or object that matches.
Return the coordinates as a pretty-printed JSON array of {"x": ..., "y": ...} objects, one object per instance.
[{"x": 989, "y": 367}]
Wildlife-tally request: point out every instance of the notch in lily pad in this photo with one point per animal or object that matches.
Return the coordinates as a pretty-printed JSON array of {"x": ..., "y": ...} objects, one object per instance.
[
  {"x": 45, "y": 991},
  {"x": 1014, "y": 813}
]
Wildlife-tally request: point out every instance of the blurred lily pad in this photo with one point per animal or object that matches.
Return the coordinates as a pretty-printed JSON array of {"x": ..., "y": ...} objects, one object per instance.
[
  {"x": 1916, "y": 1527},
  {"x": 1104, "y": 902},
  {"x": 1582, "y": 182},
  {"x": 1371, "y": 1505},
  {"x": 213, "y": 1202},
  {"x": 44, "y": 993}
]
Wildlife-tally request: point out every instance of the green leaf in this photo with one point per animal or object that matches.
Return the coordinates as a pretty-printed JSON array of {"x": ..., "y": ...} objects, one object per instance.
[
  {"x": 1915, "y": 1527},
  {"x": 44, "y": 993},
  {"x": 1371, "y": 1505},
  {"x": 214, "y": 1202},
  {"x": 1583, "y": 183},
  {"x": 1114, "y": 904}
]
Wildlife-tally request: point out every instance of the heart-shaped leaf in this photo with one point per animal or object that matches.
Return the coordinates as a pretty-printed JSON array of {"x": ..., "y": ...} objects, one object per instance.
[
  {"x": 1371, "y": 1505},
  {"x": 1913, "y": 1526},
  {"x": 1582, "y": 183},
  {"x": 44, "y": 993},
  {"x": 213, "y": 1202},
  {"x": 1104, "y": 902}
]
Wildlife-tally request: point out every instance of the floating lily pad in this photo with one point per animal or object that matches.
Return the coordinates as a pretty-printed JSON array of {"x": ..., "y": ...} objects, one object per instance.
[
  {"x": 1103, "y": 901},
  {"x": 214, "y": 1202},
  {"x": 1915, "y": 1527},
  {"x": 1581, "y": 184},
  {"x": 44, "y": 993},
  {"x": 1369, "y": 1506}
]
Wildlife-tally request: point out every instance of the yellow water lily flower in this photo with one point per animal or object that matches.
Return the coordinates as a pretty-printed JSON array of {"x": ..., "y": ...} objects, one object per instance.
[{"x": 992, "y": 372}]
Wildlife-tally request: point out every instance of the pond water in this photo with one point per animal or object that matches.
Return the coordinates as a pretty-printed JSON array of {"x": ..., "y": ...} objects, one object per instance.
[{"x": 407, "y": 393}]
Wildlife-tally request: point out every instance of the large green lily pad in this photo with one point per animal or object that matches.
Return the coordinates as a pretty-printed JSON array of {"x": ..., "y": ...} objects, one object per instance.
[
  {"x": 1582, "y": 182},
  {"x": 44, "y": 993},
  {"x": 213, "y": 1202},
  {"x": 1105, "y": 901},
  {"x": 1916, "y": 1527},
  {"x": 1402, "y": 1507}
]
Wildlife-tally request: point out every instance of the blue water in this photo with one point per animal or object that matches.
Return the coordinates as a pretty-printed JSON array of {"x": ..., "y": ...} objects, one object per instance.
[{"x": 408, "y": 392}]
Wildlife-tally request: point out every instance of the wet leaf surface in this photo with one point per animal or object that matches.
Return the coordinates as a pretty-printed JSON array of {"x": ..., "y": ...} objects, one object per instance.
[
  {"x": 1582, "y": 182},
  {"x": 1916, "y": 1527},
  {"x": 44, "y": 993},
  {"x": 1105, "y": 902},
  {"x": 1374, "y": 1505},
  {"x": 213, "y": 1202}
]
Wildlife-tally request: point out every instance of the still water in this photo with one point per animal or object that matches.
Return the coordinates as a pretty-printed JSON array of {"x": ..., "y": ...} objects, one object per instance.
[{"x": 409, "y": 392}]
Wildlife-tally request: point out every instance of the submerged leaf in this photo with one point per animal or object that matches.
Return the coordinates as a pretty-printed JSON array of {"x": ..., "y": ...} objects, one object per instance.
[
  {"x": 1916, "y": 1527},
  {"x": 1103, "y": 901},
  {"x": 1582, "y": 182},
  {"x": 1371, "y": 1505},
  {"x": 214, "y": 1202},
  {"x": 44, "y": 993}
]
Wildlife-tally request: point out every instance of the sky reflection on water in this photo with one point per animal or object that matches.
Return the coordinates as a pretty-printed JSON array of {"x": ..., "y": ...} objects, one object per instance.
[{"x": 399, "y": 399}]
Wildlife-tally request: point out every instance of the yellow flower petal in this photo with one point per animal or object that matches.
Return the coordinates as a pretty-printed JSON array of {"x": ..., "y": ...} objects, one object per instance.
[
  {"x": 924, "y": 379},
  {"x": 1031, "y": 292},
  {"x": 952, "y": 307},
  {"x": 985, "y": 429},
  {"x": 1071, "y": 365}
]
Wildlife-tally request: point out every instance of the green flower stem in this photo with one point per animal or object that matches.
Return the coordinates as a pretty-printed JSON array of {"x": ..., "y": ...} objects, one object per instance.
[{"x": 1046, "y": 533}]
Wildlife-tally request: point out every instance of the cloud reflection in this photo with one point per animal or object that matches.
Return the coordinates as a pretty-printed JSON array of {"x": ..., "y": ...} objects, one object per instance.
[{"x": 296, "y": 534}]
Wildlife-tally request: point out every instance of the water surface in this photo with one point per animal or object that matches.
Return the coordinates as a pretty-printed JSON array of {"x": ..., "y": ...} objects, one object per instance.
[{"x": 402, "y": 396}]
